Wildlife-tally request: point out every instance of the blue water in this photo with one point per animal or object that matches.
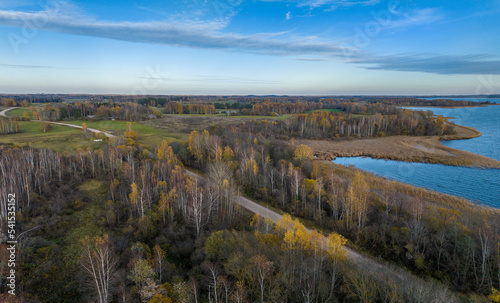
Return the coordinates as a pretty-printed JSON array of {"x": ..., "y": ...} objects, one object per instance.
[
  {"x": 492, "y": 100},
  {"x": 478, "y": 185},
  {"x": 484, "y": 119}
]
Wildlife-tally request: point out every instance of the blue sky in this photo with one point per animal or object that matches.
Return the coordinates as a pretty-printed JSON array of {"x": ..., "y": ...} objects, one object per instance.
[{"x": 295, "y": 47}]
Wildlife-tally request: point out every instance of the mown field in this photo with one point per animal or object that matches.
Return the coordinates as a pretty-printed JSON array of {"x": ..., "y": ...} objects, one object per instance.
[
  {"x": 18, "y": 112},
  {"x": 63, "y": 138},
  {"x": 60, "y": 138},
  {"x": 147, "y": 135}
]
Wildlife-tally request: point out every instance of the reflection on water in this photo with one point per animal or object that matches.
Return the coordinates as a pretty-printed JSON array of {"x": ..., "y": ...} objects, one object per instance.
[
  {"x": 475, "y": 184},
  {"x": 479, "y": 185}
]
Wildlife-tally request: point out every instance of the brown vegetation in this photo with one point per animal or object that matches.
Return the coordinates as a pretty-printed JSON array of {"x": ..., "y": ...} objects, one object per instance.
[
  {"x": 186, "y": 124},
  {"x": 405, "y": 148}
]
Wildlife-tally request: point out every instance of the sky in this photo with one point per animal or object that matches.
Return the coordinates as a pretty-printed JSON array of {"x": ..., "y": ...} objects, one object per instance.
[{"x": 226, "y": 47}]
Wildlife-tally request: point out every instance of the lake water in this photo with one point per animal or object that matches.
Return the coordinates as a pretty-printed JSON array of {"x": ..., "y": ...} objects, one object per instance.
[
  {"x": 478, "y": 185},
  {"x": 492, "y": 100}
]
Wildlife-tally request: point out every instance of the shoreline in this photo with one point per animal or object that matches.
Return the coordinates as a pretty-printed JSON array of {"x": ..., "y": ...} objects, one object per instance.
[
  {"x": 451, "y": 107},
  {"x": 421, "y": 149}
]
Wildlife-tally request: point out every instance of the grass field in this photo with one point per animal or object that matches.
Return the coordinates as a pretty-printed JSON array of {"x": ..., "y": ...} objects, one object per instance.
[
  {"x": 67, "y": 139},
  {"x": 60, "y": 138},
  {"x": 18, "y": 112},
  {"x": 148, "y": 135},
  {"x": 172, "y": 128}
]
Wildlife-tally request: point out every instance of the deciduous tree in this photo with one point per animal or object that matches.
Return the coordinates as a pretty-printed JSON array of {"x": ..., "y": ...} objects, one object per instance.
[{"x": 99, "y": 262}]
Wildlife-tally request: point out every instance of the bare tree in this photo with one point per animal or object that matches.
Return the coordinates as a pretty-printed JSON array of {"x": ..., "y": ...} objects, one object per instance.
[
  {"x": 213, "y": 285},
  {"x": 263, "y": 269},
  {"x": 99, "y": 262}
]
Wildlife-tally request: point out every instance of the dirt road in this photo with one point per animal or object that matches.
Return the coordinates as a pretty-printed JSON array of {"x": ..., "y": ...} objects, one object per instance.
[
  {"x": 275, "y": 217},
  {"x": 93, "y": 130},
  {"x": 4, "y": 112}
]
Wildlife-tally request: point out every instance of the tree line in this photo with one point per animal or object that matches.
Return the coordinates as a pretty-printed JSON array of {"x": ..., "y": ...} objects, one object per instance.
[{"x": 8, "y": 126}]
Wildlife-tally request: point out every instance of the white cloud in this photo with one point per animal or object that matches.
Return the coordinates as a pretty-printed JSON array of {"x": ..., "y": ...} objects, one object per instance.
[
  {"x": 336, "y": 3},
  {"x": 209, "y": 35},
  {"x": 436, "y": 64},
  {"x": 288, "y": 15},
  {"x": 415, "y": 17},
  {"x": 330, "y": 4},
  {"x": 175, "y": 33}
]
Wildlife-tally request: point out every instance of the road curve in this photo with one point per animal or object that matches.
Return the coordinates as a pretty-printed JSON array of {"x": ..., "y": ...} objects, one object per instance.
[
  {"x": 93, "y": 130},
  {"x": 4, "y": 112}
]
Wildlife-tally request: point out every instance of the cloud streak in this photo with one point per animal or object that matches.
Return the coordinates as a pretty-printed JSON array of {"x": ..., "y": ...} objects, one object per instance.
[
  {"x": 184, "y": 34},
  {"x": 414, "y": 18},
  {"x": 436, "y": 64},
  {"x": 333, "y": 4},
  {"x": 209, "y": 35},
  {"x": 330, "y": 4}
]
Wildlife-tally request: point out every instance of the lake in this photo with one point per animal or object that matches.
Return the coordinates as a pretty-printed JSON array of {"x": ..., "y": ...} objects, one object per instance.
[
  {"x": 478, "y": 185},
  {"x": 492, "y": 100}
]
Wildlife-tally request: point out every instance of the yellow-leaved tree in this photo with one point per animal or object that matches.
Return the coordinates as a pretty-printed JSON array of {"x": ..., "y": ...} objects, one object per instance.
[
  {"x": 134, "y": 197},
  {"x": 335, "y": 247},
  {"x": 357, "y": 201},
  {"x": 495, "y": 295},
  {"x": 165, "y": 152},
  {"x": 196, "y": 144},
  {"x": 303, "y": 152}
]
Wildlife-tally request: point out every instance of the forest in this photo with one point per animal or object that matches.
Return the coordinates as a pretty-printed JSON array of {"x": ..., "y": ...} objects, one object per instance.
[
  {"x": 133, "y": 108},
  {"x": 128, "y": 222},
  {"x": 433, "y": 236}
]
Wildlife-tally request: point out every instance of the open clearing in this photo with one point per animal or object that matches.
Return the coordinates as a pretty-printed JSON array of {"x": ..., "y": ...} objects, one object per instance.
[
  {"x": 147, "y": 135},
  {"x": 405, "y": 148},
  {"x": 60, "y": 138},
  {"x": 66, "y": 139},
  {"x": 187, "y": 123},
  {"x": 325, "y": 110},
  {"x": 18, "y": 112},
  {"x": 172, "y": 128}
]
